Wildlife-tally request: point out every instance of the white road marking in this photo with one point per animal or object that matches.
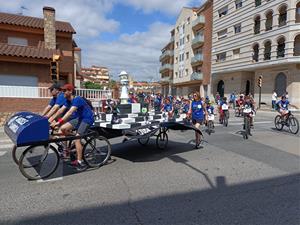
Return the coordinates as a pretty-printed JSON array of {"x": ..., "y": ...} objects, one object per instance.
[
  {"x": 3, "y": 153},
  {"x": 49, "y": 180}
]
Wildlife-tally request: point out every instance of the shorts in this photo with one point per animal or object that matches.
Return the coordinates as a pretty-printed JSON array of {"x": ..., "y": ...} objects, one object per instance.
[
  {"x": 81, "y": 126},
  {"x": 200, "y": 121}
]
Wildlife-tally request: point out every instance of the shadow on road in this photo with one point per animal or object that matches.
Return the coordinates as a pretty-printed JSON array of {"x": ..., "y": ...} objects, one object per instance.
[{"x": 267, "y": 202}]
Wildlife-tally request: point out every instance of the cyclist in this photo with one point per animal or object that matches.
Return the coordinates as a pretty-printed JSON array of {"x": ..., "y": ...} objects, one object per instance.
[
  {"x": 283, "y": 106},
  {"x": 167, "y": 108},
  {"x": 197, "y": 112},
  {"x": 82, "y": 118},
  {"x": 221, "y": 111},
  {"x": 185, "y": 106},
  {"x": 249, "y": 104},
  {"x": 209, "y": 110},
  {"x": 240, "y": 103},
  {"x": 157, "y": 102},
  {"x": 57, "y": 101}
]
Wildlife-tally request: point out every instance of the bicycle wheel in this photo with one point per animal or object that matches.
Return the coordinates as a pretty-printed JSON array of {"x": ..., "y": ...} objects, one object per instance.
[
  {"x": 162, "y": 140},
  {"x": 278, "y": 122},
  {"x": 225, "y": 120},
  {"x": 96, "y": 151},
  {"x": 17, "y": 152},
  {"x": 143, "y": 141},
  {"x": 38, "y": 162},
  {"x": 293, "y": 125},
  {"x": 236, "y": 112},
  {"x": 246, "y": 125},
  {"x": 210, "y": 127}
]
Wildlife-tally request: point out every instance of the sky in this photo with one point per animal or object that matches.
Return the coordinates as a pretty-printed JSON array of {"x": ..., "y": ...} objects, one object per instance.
[{"x": 118, "y": 34}]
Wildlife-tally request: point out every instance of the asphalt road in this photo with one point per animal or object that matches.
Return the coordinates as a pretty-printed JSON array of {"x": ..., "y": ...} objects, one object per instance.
[{"x": 228, "y": 181}]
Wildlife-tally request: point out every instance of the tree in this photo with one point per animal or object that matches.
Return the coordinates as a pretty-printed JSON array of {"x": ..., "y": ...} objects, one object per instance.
[
  {"x": 112, "y": 84},
  {"x": 91, "y": 85}
]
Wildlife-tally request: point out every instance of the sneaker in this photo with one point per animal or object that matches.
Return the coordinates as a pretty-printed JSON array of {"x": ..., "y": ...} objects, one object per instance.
[{"x": 79, "y": 166}]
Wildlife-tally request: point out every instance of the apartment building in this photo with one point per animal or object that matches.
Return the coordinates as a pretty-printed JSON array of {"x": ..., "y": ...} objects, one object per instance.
[
  {"x": 191, "y": 54},
  {"x": 253, "y": 38},
  {"x": 96, "y": 74},
  {"x": 167, "y": 66}
]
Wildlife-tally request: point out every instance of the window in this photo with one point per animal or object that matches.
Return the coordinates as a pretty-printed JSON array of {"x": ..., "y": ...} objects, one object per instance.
[
  {"x": 221, "y": 57},
  {"x": 188, "y": 20},
  {"x": 257, "y": 25},
  {"x": 257, "y": 3},
  {"x": 176, "y": 59},
  {"x": 281, "y": 48},
  {"x": 222, "y": 34},
  {"x": 238, "y": 4},
  {"x": 236, "y": 53},
  {"x": 267, "y": 54},
  {"x": 17, "y": 41},
  {"x": 255, "y": 53},
  {"x": 183, "y": 28},
  {"x": 269, "y": 20},
  {"x": 187, "y": 55},
  {"x": 282, "y": 16},
  {"x": 186, "y": 72},
  {"x": 177, "y": 44},
  {"x": 188, "y": 38},
  {"x": 176, "y": 74},
  {"x": 298, "y": 13},
  {"x": 223, "y": 11},
  {"x": 237, "y": 28}
]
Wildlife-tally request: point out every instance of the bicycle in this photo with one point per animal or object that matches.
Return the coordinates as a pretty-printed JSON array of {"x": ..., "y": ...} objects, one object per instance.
[
  {"x": 41, "y": 160},
  {"x": 210, "y": 123},
  {"x": 288, "y": 120},
  {"x": 224, "y": 115},
  {"x": 248, "y": 114}
]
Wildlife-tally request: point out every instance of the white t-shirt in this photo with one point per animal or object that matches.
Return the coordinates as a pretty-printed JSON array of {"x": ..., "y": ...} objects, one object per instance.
[{"x": 274, "y": 96}]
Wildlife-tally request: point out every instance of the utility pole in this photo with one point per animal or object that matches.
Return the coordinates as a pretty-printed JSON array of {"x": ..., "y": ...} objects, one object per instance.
[{"x": 259, "y": 84}]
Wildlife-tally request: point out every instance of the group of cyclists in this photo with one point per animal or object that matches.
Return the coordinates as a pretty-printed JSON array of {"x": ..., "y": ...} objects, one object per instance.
[{"x": 69, "y": 112}]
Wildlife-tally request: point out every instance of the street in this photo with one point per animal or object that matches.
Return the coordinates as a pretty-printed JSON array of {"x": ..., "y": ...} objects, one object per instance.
[{"x": 228, "y": 181}]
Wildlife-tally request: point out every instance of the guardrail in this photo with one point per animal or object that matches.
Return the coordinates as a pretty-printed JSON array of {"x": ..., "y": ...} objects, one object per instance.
[{"x": 43, "y": 92}]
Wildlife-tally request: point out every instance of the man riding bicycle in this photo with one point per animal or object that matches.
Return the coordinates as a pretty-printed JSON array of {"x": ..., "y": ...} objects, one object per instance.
[
  {"x": 282, "y": 106},
  {"x": 82, "y": 118}
]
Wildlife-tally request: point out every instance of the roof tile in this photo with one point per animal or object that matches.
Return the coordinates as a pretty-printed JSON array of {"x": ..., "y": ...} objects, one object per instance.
[{"x": 34, "y": 22}]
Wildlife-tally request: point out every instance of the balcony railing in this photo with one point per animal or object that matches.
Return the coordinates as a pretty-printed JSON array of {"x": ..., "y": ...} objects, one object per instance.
[
  {"x": 267, "y": 56},
  {"x": 197, "y": 58},
  {"x": 257, "y": 29},
  {"x": 282, "y": 20},
  {"x": 43, "y": 92},
  {"x": 280, "y": 53},
  {"x": 166, "y": 67},
  {"x": 268, "y": 25},
  {"x": 199, "y": 22},
  {"x": 197, "y": 76},
  {"x": 255, "y": 57},
  {"x": 165, "y": 79},
  {"x": 166, "y": 53},
  {"x": 198, "y": 40}
]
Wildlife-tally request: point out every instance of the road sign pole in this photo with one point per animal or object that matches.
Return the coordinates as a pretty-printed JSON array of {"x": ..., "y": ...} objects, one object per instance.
[{"x": 259, "y": 101}]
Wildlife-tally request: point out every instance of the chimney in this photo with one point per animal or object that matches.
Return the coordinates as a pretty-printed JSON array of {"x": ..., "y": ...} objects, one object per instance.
[{"x": 49, "y": 27}]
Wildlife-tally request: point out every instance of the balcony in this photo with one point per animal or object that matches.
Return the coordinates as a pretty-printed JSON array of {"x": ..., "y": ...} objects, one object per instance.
[
  {"x": 166, "y": 67},
  {"x": 165, "y": 79},
  {"x": 167, "y": 53},
  {"x": 198, "y": 41},
  {"x": 198, "y": 23},
  {"x": 267, "y": 56},
  {"x": 196, "y": 76},
  {"x": 197, "y": 60}
]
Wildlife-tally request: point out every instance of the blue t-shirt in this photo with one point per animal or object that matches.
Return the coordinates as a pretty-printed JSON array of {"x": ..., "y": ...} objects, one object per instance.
[
  {"x": 168, "y": 107},
  {"x": 84, "y": 112},
  {"x": 186, "y": 108},
  {"x": 210, "y": 109},
  {"x": 59, "y": 100},
  {"x": 284, "y": 104},
  {"x": 197, "y": 110}
]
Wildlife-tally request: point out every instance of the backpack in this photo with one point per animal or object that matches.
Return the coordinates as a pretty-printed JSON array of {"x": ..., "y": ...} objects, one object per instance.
[{"x": 89, "y": 103}]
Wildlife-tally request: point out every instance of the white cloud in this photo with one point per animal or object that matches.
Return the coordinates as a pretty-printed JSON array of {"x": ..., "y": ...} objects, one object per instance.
[{"x": 137, "y": 53}]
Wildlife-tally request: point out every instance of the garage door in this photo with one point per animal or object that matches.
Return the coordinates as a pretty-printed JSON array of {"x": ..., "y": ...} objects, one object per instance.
[{"x": 26, "y": 86}]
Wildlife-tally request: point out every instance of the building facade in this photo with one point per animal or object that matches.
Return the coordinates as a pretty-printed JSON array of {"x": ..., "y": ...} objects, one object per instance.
[
  {"x": 192, "y": 52},
  {"x": 253, "y": 38},
  {"x": 27, "y": 45},
  {"x": 96, "y": 74}
]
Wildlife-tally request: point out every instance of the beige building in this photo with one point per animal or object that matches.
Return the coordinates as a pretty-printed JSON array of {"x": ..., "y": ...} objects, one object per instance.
[
  {"x": 97, "y": 74},
  {"x": 256, "y": 38},
  {"x": 190, "y": 53}
]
